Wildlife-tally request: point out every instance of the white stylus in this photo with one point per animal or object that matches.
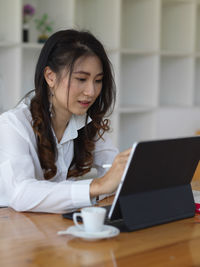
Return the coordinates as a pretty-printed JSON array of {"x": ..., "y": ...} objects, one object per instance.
[{"x": 106, "y": 166}]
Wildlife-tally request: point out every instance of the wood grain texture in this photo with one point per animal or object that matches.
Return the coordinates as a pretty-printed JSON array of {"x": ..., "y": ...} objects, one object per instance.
[{"x": 30, "y": 239}]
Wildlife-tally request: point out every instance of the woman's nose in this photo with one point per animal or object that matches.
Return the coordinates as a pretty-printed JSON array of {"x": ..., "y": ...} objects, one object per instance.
[{"x": 89, "y": 89}]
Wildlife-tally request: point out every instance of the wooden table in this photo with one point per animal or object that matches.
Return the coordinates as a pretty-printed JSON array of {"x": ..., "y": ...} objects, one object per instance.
[{"x": 30, "y": 239}]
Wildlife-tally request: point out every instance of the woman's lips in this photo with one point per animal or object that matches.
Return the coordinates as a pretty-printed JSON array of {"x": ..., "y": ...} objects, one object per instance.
[{"x": 84, "y": 103}]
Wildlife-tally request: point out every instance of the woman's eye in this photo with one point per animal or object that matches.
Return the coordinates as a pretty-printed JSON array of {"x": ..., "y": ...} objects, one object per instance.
[
  {"x": 99, "y": 81},
  {"x": 81, "y": 79}
]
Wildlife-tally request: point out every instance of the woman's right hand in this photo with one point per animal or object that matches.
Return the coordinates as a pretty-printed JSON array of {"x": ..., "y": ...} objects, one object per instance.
[{"x": 110, "y": 181}]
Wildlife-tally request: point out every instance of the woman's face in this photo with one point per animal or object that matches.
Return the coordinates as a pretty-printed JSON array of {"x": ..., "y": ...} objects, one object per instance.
[{"x": 85, "y": 87}]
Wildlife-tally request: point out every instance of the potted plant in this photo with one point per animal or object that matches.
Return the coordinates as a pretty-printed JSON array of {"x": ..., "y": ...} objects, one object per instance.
[
  {"x": 44, "y": 26},
  {"x": 28, "y": 12}
]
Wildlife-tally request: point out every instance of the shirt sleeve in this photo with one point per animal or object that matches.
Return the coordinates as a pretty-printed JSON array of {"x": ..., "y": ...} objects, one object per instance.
[
  {"x": 23, "y": 191},
  {"x": 104, "y": 153}
]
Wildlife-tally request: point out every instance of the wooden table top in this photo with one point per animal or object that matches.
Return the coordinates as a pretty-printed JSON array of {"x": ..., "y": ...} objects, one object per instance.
[{"x": 30, "y": 239}]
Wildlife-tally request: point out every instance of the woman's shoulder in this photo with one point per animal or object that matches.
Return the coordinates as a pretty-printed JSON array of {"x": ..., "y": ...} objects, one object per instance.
[
  {"x": 19, "y": 119},
  {"x": 20, "y": 113}
]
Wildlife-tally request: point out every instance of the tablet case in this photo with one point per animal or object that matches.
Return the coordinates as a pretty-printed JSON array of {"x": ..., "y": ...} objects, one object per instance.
[
  {"x": 156, "y": 207},
  {"x": 157, "y": 186}
]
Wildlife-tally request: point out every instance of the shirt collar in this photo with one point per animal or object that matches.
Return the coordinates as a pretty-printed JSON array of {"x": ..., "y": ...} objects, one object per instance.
[
  {"x": 71, "y": 132},
  {"x": 76, "y": 123}
]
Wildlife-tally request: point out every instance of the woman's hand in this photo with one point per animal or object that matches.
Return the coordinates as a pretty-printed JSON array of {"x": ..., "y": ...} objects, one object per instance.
[{"x": 110, "y": 181}]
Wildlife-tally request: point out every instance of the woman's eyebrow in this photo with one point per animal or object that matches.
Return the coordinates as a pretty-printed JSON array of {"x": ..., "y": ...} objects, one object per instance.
[
  {"x": 81, "y": 72},
  {"x": 87, "y": 73},
  {"x": 100, "y": 74}
]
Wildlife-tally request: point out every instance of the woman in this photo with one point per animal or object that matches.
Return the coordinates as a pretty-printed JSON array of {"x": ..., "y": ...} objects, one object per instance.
[{"x": 46, "y": 143}]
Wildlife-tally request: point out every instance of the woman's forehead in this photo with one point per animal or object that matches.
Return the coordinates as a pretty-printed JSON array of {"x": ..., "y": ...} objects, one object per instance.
[{"x": 90, "y": 63}]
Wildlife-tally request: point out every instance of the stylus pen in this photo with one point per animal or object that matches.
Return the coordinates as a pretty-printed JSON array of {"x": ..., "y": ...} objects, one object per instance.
[{"x": 106, "y": 166}]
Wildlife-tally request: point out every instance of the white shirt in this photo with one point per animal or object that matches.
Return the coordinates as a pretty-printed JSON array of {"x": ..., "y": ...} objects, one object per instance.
[{"x": 22, "y": 185}]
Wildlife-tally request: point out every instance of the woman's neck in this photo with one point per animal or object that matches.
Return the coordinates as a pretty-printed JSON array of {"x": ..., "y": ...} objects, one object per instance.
[{"x": 59, "y": 123}]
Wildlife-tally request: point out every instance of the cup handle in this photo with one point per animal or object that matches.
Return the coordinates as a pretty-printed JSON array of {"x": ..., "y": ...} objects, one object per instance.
[{"x": 75, "y": 215}]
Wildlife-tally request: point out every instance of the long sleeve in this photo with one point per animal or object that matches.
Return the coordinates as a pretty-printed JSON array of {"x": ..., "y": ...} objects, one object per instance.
[
  {"x": 23, "y": 189},
  {"x": 104, "y": 153}
]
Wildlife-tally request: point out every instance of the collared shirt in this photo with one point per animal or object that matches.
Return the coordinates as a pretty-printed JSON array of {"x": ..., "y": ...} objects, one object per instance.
[{"x": 22, "y": 184}]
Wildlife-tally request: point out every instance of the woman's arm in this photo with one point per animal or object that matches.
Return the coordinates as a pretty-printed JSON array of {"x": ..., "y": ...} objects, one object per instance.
[
  {"x": 21, "y": 178},
  {"x": 110, "y": 181}
]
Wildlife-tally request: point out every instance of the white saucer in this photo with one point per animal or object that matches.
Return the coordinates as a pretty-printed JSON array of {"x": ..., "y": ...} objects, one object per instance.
[{"x": 107, "y": 232}]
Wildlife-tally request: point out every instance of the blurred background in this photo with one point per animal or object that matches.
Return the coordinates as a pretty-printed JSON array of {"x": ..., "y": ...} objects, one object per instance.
[{"x": 154, "y": 46}]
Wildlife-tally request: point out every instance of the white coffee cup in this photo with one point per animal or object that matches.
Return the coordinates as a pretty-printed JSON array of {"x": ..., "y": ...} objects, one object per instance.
[{"x": 93, "y": 219}]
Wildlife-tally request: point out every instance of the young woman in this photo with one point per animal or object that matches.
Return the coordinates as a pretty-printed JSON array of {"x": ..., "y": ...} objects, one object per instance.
[{"x": 59, "y": 132}]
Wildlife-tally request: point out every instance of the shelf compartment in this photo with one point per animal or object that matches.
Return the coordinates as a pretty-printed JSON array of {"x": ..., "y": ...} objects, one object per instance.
[
  {"x": 198, "y": 27},
  {"x": 102, "y": 18},
  {"x": 176, "y": 81},
  {"x": 139, "y": 80},
  {"x": 114, "y": 127},
  {"x": 135, "y": 109},
  {"x": 114, "y": 58},
  {"x": 5, "y": 44},
  {"x": 126, "y": 51},
  {"x": 10, "y": 21},
  {"x": 62, "y": 17},
  {"x": 35, "y": 46},
  {"x": 136, "y": 127},
  {"x": 140, "y": 25},
  {"x": 197, "y": 82},
  {"x": 170, "y": 122},
  {"x": 10, "y": 76},
  {"x": 29, "y": 60},
  {"x": 178, "y": 1},
  {"x": 178, "y": 26}
]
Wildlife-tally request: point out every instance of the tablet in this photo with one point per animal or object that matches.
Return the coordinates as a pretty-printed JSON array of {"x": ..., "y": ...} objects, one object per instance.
[{"x": 157, "y": 177}]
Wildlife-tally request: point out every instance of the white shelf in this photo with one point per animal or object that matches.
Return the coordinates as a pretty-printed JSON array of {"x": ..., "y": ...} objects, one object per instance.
[
  {"x": 140, "y": 24},
  {"x": 178, "y": 26},
  {"x": 10, "y": 75},
  {"x": 197, "y": 55},
  {"x": 136, "y": 127},
  {"x": 176, "y": 81},
  {"x": 135, "y": 109},
  {"x": 168, "y": 119},
  {"x": 102, "y": 18},
  {"x": 198, "y": 28},
  {"x": 7, "y": 44},
  {"x": 176, "y": 54},
  {"x": 29, "y": 60},
  {"x": 197, "y": 82},
  {"x": 61, "y": 12},
  {"x": 114, "y": 58},
  {"x": 126, "y": 51},
  {"x": 137, "y": 89},
  {"x": 154, "y": 46},
  {"x": 31, "y": 46},
  {"x": 10, "y": 23},
  {"x": 175, "y": 2}
]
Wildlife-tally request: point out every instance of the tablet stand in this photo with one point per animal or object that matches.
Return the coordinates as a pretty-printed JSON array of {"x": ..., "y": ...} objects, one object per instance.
[{"x": 141, "y": 210}]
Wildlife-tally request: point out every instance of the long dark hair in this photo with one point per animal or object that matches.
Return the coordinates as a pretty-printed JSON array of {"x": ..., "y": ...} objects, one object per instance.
[{"x": 62, "y": 50}]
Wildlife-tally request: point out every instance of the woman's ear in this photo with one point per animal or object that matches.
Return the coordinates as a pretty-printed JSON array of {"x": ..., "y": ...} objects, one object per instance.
[{"x": 50, "y": 77}]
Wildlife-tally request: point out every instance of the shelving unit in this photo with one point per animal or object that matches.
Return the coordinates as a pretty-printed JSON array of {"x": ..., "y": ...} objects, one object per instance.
[
  {"x": 176, "y": 81},
  {"x": 140, "y": 25},
  {"x": 197, "y": 82},
  {"x": 154, "y": 46},
  {"x": 137, "y": 89},
  {"x": 178, "y": 26}
]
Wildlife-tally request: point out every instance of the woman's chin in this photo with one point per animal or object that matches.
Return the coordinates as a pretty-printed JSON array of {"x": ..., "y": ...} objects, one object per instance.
[{"x": 80, "y": 112}]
